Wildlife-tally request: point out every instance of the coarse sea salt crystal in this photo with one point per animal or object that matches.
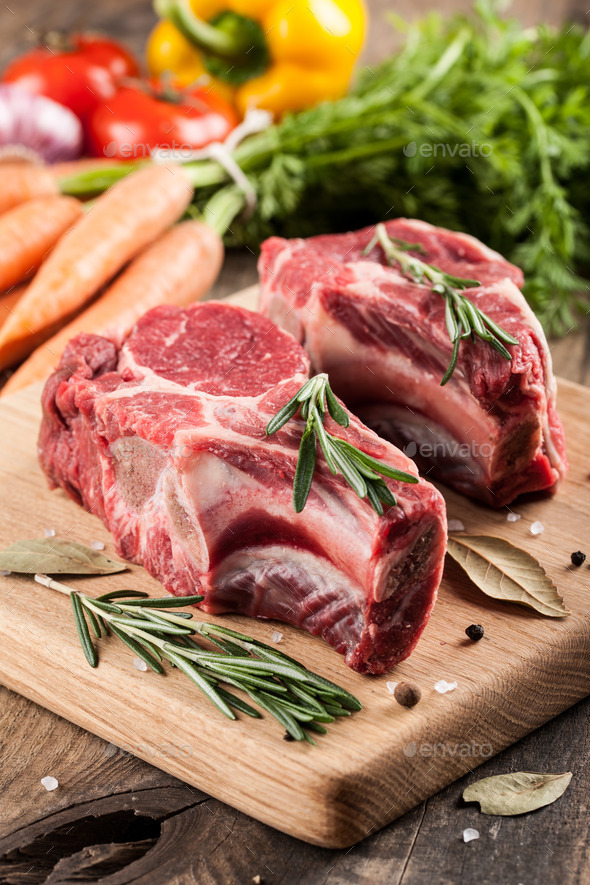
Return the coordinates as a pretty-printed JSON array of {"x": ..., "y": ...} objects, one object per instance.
[
  {"x": 391, "y": 686},
  {"x": 513, "y": 517},
  {"x": 4, "y": 572},
  {"x": 276, "y": 636},
  {"x": 442, "y": 686},
  {"x": 469, "y": 834},
  {"x": 50, "y": 783},
  {"x": 97, "y": 545},
  {"x": 537, "y": 528},
  {"x": 49, "y": 533},
  {"x": 139, "y": 664},
  {"x": 455, "y": 525}
]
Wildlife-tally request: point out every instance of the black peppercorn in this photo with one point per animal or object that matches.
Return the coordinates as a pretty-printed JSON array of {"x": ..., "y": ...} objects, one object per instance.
[
  {"x": 475, "y": 632},
  {"x": 578, "y": 558}
]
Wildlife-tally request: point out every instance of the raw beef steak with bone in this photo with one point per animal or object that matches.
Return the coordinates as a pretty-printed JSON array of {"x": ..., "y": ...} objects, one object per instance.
[
  {"x": 165, "y": 439},
  {"x": 492, "y": 431}
]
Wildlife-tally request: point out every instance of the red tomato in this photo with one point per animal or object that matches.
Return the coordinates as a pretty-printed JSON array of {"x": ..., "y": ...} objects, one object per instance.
[
  {"x": 81, "y": 73},
  {"x": 137, "y": 120}
]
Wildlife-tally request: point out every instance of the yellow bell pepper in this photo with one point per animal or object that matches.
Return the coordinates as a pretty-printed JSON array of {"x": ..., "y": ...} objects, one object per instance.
[{"x": 280, "y": 55}]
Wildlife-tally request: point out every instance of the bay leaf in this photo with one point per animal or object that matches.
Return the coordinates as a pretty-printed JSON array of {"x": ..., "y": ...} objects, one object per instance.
[
  {"x": 517, "y": 792},
  {"x": 506, "y": 572},
  {"x": 54, "y": 556}
]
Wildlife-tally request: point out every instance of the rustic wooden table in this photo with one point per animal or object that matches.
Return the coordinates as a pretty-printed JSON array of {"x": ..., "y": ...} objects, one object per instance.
[{"x": 116, "y": 820}]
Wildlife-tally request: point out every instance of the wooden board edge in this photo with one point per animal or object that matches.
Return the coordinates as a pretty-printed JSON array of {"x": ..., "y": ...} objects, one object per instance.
[{"x": 441, "y": 759}]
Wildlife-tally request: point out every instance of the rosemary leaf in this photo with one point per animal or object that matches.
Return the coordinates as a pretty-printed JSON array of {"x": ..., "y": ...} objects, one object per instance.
[
  {"x": 106, "y": 607},
  {"x": 189, "y": 670},
  {"x": 165, "y": 601},
  {"x": 335, "y": 409},
  {"x": 283, "y": 416},
  {"x": 453, "y": 364},
  {"x": 83, "y": 632},
  {"x": 163, "y": 617},
  {"x": 237, "y": 703},
  {"x": 498, "y": 331},
  {"x": 94, "y": 622},
  {"x": 135, "y": 647},
  {"x": 325, "y": 443},
  {"x": 229, "y": 648},
  {"x": 348, "y": 470},
  {"x": 384, "y": 493},
  {"x": 119, "y": 594},
  {"x": 281, "y": 715},
  {"x": 379, "y": 466},
  {"x": 374, "y": 499},
  {"x": 315, "y": 726},
  {"x": 305, "y": 469},
  {"x": 152, "y": 626}
]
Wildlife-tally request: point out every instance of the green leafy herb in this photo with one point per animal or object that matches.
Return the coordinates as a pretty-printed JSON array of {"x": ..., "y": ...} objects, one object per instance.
[
  {"x": 55, "y": 556},
  {"x": 517, "y": 792},
  {"x": 362, "y": 472},
  {"x": 506, "y": 572},
  {"x": 463, "y": 318},
  {"x": 476, "y": 123},
  {"x": 296, "y": 697}
]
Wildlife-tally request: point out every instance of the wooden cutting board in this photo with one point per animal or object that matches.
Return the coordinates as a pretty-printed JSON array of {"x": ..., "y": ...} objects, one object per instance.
[{"x": 370, "y": 768}]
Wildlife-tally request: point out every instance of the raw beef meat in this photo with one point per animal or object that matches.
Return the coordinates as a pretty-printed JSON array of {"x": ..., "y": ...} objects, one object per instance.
[
  {"x": 164, "y": 439},
  {"x": 493, "y": 431}
]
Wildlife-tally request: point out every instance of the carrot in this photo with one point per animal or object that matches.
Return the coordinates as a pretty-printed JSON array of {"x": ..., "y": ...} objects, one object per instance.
[
  {"x": 20, "y": 348},
  {"x": 120, "y": 223},
  {"x": 20, "y": 182},
  {"x": 176, "y": 269},
  {"x": 29, "y": 231},
  {"x": 7, "y": 302}
]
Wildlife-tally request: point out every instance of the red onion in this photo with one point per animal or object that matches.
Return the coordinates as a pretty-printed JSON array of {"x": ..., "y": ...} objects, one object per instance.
[{"x": 39, "y": 125}]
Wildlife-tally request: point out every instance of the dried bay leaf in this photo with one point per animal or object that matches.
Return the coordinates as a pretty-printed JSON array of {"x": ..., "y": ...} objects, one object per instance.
[
  {"x": 54, "y": 556},
  {"x": 517, "y": 792},
  {"x": 506, "y": 572}
]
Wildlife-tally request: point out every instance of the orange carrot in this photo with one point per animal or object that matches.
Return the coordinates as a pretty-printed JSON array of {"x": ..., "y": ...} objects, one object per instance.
[
  {"x": 20, "y": 348},
  {"x": 120, "y": 223},
  {"x": 20, "y": 182},
  {"x": 29, "y": 231},
  {"x": 177, "y": 269},
  {"x": 7, "y": 302}
]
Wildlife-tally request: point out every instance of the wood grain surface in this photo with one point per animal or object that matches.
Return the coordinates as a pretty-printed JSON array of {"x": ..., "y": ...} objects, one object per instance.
[
  {"x": 184, "y": 835},
  {"x": 373, "y": 766}
]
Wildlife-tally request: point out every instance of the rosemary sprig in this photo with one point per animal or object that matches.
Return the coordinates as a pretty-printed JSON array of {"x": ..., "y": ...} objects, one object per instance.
[
  {"x": 297, "y": 698},
  {"x": 463, "y": 319},
  {"x": 362, "y": 472}
]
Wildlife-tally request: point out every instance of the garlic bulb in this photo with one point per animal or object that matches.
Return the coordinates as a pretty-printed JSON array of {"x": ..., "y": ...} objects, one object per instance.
[{"x": 36, "y": 126}]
